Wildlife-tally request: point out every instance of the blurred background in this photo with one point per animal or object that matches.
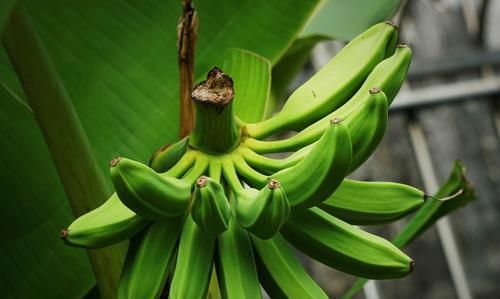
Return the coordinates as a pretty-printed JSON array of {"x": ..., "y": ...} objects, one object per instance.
[{"x": 448, "y": 109}]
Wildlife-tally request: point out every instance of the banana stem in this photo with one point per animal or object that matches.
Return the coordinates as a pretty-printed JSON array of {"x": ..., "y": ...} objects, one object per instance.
[
  {"x": 231, "y": 177},
  {"x": 252, "y": 176},
  {"x": 199, "y": 168},
  {"x": 215, "y": 170},
  {"x": 186, "y": 40},
  {"x": 215, "y": 129},
  {"x": 270, "y": 165},
  {"x": 181, "y": 166}
]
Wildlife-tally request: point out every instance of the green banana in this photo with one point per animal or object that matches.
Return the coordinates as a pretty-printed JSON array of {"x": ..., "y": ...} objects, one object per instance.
[
  {"x": 270, "y": 165},
  {"x": 318, "y": 96},
  {"x": 262, "y": 213},
  {"x": 194, "y": 263},
  {"x": 168, "y": 155},
  {"x": 388, "y": 76},
  {"x": 368, "y": 203},
  {"x": 250, "y": 175},
  {"x": 110, "y": 223},
  {"x": 149, "y": 259},
  {"x": 367, "y": 127},
  {"x": 210, "y": 207},
  {"x": 340, "y": 245},
  {"x": 183, "y": 165},
  {"x": 317, "y": 176},
  {"x": 148, "y": 193},
  {"x": 236, "y": 270},
  {"x": 280, "y": 273}
]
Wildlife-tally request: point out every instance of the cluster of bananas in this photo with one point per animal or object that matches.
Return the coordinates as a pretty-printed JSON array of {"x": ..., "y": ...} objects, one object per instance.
[{"x": 233, "y": 207}]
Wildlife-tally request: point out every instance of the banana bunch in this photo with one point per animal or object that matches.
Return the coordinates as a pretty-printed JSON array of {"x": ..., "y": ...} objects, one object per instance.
[{"x": 214, "y": 200}]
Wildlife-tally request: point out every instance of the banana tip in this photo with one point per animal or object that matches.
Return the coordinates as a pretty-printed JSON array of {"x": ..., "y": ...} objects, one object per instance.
[
  {"x": 374, "y": 90},
  {"x": 114, "y": 161},
  {"x": 412, "y": 265},
  {"x": 389, "y": 22},
  {"x": 201, "y": 181},
  {"x": 64, "y": 233},
  {"x": 273, "y": 184},
  {"x": 402, "y": 45}
]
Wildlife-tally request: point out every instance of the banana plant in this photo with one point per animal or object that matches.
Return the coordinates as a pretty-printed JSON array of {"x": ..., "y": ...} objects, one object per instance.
[
  {"x": 246, "y": 199},
  {"x": 216, "y": 199}
]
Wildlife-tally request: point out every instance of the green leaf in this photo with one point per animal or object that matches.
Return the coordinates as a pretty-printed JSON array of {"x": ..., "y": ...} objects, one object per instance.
[
  {"x": 345, "y": 19},
  {"x": 83, "y": 182},
  {"x": 118, "y": 61},
  {"x": 251, "y": 74},
  {"x": 34, "y": 261},
  {"x": 5, "y": 6}
]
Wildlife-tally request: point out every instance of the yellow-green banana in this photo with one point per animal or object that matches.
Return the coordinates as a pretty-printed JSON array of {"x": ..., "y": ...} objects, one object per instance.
[
  {"x": 210, "y": 207},
  {"x": 317, "y": 176},
  {"x": 367, "y": 203},
  {"x": 387, "y": 76},
  {"x": 110, "y": 223},
  {"x": 333, "y": 85},
  {"x": 340, "y": 245},
  {"x": 236, "y": 270},
  {"x": 148, "y": 193},
  {"x": 249, "y": 174},
  {"x": 280, "y": 273},
  {"x": 194, "y": 263},
  {"x": 149, "y": 258},
  {"x": 263, "y": 212},
  {"x": 166, "y": 157},
  {"x": 271, "y": 165},
  {"x": 367, "y": 127}
]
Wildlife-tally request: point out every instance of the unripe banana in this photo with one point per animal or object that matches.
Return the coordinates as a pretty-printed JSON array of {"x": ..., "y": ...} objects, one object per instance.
[
  {"x": 194, "y": 263},
  {"x": 388, "y": 76},
  {"x": 333, "y": 85},
  {"x": 270, "y": 165},
  {"x": 166, "y": 157},
  {"x": 148, "y": 193},
  {"x": 280, "y": 273},
  {"x": 210, "y": 207},
  {"x": 317, "y": 176},
  {"x": 340, "y": 245},
  {"x": 367, "y": 127},
  {"x": 367, "y": 203},
  {"x": 110, "y": 223},
  {"x": 263, "y": 213},
  {"x": 183, "y": 165},
  {"x": 236, "y": 270},
  {"x": 249, "y": 174},
  {"x": 149, "y": 258}
]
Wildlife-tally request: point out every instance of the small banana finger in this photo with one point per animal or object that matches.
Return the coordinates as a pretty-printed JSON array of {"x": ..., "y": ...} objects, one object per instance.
[
  {"x": 148, "y": 193},
  {"x": 110, "y": 223}
]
